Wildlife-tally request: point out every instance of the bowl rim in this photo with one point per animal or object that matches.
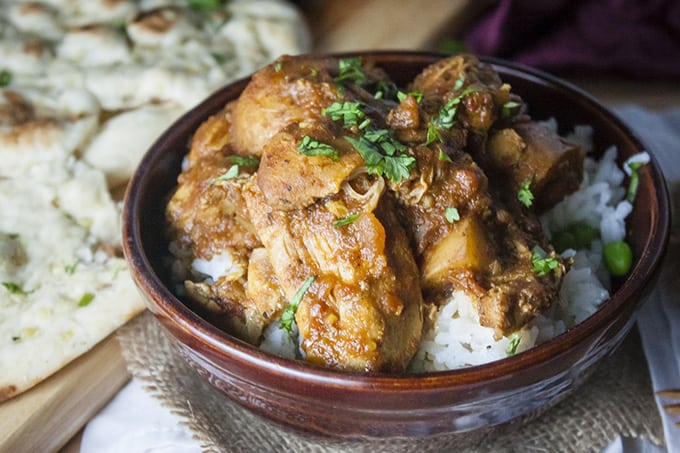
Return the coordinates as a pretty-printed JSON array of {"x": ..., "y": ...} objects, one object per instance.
[{"x": 169, "y": 307}]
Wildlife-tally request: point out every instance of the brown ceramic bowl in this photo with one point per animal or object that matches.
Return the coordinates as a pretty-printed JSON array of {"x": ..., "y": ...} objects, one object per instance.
[{"x": 355, "y": 405}]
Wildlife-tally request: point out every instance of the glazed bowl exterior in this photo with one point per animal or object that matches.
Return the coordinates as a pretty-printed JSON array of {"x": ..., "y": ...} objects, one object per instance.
[{"x": 354, "y": 405}]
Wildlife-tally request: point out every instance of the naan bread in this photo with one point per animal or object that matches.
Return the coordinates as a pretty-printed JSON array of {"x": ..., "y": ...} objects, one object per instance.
[{"x": 92, "y": 83}]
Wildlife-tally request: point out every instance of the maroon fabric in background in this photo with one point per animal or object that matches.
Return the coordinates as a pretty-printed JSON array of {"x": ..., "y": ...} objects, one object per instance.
[{"x": 624, "y": 37}]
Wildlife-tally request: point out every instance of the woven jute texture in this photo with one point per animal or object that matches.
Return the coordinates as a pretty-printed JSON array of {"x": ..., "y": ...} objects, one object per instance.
[{"x": 616, "y": 400}]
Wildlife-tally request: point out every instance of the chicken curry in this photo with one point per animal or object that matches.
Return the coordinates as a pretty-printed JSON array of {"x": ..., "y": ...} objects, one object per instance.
[{"x": 350, "y": 206}]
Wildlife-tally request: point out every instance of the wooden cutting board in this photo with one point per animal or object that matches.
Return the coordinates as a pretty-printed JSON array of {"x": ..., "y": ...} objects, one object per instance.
[{"x": 46, "y": 417}]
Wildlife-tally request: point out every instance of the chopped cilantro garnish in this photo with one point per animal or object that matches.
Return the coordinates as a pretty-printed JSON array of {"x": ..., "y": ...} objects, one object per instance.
[
  {"x": 218, "y": 57},
  {"x": 13, "y": 288},
  {"x": 379, "y": 151},
  {"x": 277, "y": 66},
  {"x": 542, "y": 262},
  {"x": 634, "y": 180},
  {"x": 452, "y": 46},
  {"x": 86, "y": 299},
  {"x": 230, "y": 174},
  {"x": 310, "y": 147},
  {"x": 508, "y": 109},
  {"x": 447, "y": 113},
  {"x": 288, "y": 315},
  {"x": 512, "y": 346},
  {"x": 401, "y": 96},
  {"x": 204, "y": 5},
  {"x": 349, "y": 112},
  {"x": 369, "y": 152},
  {"x": 433, "y": 134},
  {"x": 524, "y": 194},
  {"x": 5, "y": 78},
  {"x": 385, "y": 89},
  {"x": 350, "y": 71},
  {"x": 234, "y": 170},
  {"x": 346, "y": 220},
  {"x": 452, "y": 215},
  {"x": 249, "y": 161},
  {"x": 70, "y": 269},
  {"x": 443, "y": 156}
]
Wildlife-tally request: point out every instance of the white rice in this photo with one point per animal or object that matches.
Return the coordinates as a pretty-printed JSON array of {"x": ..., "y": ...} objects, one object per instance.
[{"x": 458, "y": 340}]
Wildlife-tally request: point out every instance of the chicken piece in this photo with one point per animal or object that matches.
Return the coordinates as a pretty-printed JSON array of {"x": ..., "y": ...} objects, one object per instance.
[
  {"x": 461, "y": 254},
  {"x": 207, "y": 213},
  {"x": 291, "y": 90},
  {"x": 435, "y": 185},
  {"x": 223, "y": 303},
  {"x": 516, "y": 292},
  {"x": 316, "y": 176},
  {"x": 363, "y": 310},
  {"x": 241, "y": 304},
  {"x": 531, "y": 151},
  {"x": 265, "y": 297},
  {"x": 211, "y": 233},
  {"x": 481, "y": 92},
  {"x": 485, "y": 252},
  {"x": 213, "y": 136}
]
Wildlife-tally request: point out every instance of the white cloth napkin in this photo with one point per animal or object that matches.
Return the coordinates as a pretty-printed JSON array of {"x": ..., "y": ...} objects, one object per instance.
[
  {"x": 136, "y": 422},
  {"x": 659, "y": 319}
]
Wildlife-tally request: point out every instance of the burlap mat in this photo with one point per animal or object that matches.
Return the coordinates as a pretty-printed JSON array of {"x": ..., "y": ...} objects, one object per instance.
[{"x": 616, "y": 400}]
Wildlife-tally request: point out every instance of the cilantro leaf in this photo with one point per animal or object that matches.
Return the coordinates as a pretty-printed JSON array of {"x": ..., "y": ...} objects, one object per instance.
[
  {"x": 452, "y": 215},
  {"x": 13, "y": 288},
  {"x": 401, "y": 96},
  {"x": 399, "y": 167},
  {"x": 310, "y": 147},
  {"x": 443, "y": 156},
  {"x": 385, "y": 89},
  {"x": 393, "y": 166},
  {"x": 509, "y": 108},
  {"x": 232, "y": 173},
  {"x": 86, "y": 299},
  {"x": 524, "y": 194},
  {"x": 452, "y": 46},
  {"x": 350, "y": 71},
  {"x": 5, "y": 78},
  {"x": 204, "y": 5},
  {"x": 542, "y": 262},
  {"x": 381, "y": 152},
  {"x": 369, "y": 152},
  {"x": 288, "y": 315},
  {"x": 634, "y": 181},
  {"x": 514, "y": 343},
  {"x": 346, "y": 220},
  {"x": 247, "y": 161},
  {"x": 349, "y": 112},
  {"x": 446, "y": 118}
]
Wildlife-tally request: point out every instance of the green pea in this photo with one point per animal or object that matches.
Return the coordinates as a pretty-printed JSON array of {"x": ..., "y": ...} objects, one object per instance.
[{"x": 618, "y": 257}]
